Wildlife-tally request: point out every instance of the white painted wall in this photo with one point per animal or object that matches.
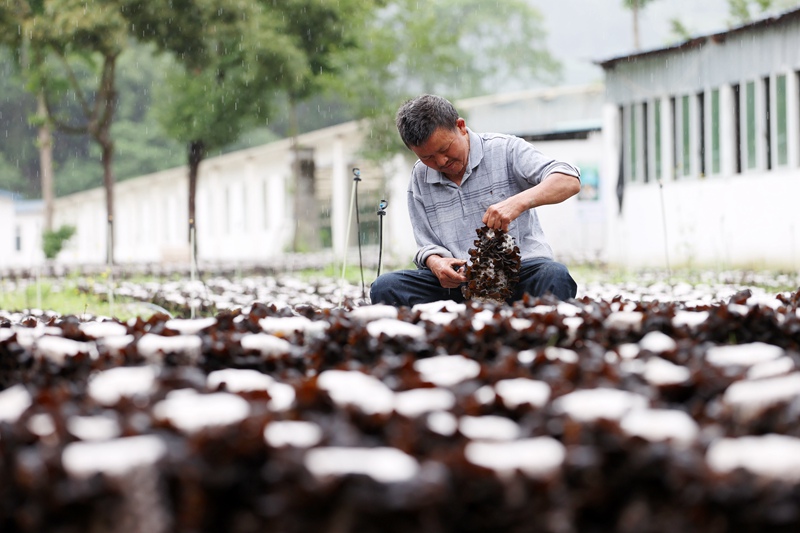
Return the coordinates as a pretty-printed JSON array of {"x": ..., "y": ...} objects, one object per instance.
[
  {"x": 7, "y": 227},
  {"x": 576, "y": 228},
  {"x": 29, "y": 223},
  {"x": 243, "y": 207},
  {"x": 725, "y": 222}
]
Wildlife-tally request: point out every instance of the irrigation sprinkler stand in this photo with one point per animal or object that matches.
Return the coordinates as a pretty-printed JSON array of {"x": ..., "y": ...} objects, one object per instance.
[
  {"x": 381, "y": 212},
  {"x": 353, "y": 204}
]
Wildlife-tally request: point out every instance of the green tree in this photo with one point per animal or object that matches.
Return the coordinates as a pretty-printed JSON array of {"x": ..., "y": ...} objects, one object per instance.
[
  {"x": 248, "y": 53},
  {"x": 18, "y": 150},
  {"x": 635, "y": 6},
  {"x": 57, "y": 37},
  {"x": 10, "y": 176},
  {"x": 743, "y": 11},
  {"x": 679, "y": 30},
  {"x": 486, "y": 47},
  {"x": 323, "y": 30},
  {"x": 231, "y": 56},
  {"x": 53, "y": 240}
]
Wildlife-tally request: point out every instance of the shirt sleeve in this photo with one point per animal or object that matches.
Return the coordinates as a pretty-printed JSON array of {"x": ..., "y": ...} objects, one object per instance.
[
  {"x": 427, "y": 240},
  {"x": 532, "y": 166}
]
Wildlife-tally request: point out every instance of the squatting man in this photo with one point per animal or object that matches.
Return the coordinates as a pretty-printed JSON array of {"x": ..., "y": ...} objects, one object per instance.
[{"x": 462, "y": 181}]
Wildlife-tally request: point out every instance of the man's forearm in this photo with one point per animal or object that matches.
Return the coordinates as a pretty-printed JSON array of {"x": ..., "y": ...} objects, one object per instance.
[{"x": 556, "y": 188}]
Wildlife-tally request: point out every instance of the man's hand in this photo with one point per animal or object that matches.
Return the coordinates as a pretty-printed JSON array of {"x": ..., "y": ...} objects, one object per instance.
[
  {"x": 501, "y": 214},
  {"x": 554, "y": 189},
  {"x": 444, "y": 268}
]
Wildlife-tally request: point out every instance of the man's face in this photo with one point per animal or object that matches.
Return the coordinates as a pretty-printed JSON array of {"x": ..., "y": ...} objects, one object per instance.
[{"x": 446, "y": 151}]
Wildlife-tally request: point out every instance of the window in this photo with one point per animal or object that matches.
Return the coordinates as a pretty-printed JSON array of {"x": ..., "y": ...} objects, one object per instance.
[
  {"x": 657, "y": 137},
  {"x": 750, "y": 114},
  {"x": 781, "y": 129},
  {"x": 715, "y": 133}
]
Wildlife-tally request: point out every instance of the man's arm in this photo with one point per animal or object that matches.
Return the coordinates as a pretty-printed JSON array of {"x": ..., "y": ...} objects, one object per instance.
[{"x": 554, "y": 189}]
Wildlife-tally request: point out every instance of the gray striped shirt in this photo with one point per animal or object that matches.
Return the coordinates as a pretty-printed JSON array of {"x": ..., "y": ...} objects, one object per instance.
[{"x": 445, "y": 216}]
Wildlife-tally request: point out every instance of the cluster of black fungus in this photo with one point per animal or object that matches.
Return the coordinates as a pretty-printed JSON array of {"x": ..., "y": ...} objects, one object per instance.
[
  {"x": 559, "y": 417},
  {"x": 494, "y": 267}
]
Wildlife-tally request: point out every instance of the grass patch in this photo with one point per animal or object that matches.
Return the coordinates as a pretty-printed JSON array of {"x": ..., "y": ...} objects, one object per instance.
[
  {"x": 770, "y": 281},
  {"x": 62, "y": 297},
  {"x": 352, "y": 274}
]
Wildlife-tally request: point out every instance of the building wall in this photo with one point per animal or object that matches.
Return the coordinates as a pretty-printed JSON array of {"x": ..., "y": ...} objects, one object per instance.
[
  {"x": 707, "y": 140},
  {"x": 244, "y": 211},
  {"x": 7, "y": 226},
  {"x": 28, "y": 237}
]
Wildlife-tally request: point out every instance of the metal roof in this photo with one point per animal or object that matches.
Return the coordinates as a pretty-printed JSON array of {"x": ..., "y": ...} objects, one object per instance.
[{"x": 697, "y": 42}]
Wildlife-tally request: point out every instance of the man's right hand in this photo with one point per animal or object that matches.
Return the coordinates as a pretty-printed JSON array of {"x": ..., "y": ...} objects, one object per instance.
[{"x": 450, "y": 271}]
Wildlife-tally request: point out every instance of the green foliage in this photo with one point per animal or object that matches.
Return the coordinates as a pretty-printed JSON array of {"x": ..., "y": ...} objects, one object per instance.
[
  {"x": 53, "y": 240},
  {"x": 406, "y": 51},
  {"x": 679, "y": 30},
  {"x": 65, "y": 26},
  {"x": 635, "y": 4},
  {"x": 247, "y": 59},
  {"x": 10, "y": 176},
  {"x": 744, "y": 11},
  {"x": 322, "y": 30},
  {"x": 69, "y": 297},
  {"x": 18, "y": 156}
]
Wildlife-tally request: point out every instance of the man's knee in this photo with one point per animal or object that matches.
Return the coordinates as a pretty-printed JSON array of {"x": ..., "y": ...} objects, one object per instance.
[
  {"x": 560, "y": 282},
  {"x": 380, "y": 292},
  {"x": 556, "y": 270},
  {"x": 551, "y": 277}
]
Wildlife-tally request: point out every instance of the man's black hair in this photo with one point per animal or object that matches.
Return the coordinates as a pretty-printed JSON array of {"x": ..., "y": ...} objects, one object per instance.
[{"x": 418, "y": 118}]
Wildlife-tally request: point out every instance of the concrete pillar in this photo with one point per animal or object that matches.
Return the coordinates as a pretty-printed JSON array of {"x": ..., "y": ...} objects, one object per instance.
[
  {"x": 399, "y": 245},
  {"x": 339, "y": 197},
  {"x": 793, "y": 119},
  {"x": 727, "y": 130},
  {"x": 761, "y": 124},
  {"x": 667, "y": 140}
]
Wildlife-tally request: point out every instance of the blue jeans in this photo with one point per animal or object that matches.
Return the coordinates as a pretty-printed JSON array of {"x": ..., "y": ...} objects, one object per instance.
[{"x": 537, "y": 277}]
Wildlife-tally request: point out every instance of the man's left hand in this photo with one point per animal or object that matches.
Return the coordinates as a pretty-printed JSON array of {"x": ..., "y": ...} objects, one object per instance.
[
  {"x": 501, "y": 214},
  {"x": 556, "y": 188}
]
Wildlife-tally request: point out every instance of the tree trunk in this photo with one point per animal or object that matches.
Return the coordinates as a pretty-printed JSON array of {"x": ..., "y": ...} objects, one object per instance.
[
  {"x": 306, "y": 211},
  {"x": 107, "y": 148},
  {"x": 197, "y": 152},
  {"x": 635, "y": 11},
  {"x": 100, "y": 127},
  {"x": 45, "y": 161}
]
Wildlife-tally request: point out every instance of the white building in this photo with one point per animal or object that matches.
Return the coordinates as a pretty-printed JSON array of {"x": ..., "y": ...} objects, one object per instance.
[
  {"x": 244, "y": 206},
  {"x": 704, "y": 138}
]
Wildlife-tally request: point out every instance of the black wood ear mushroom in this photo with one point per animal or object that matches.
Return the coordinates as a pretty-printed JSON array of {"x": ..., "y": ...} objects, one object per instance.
[{"x": 494, "y": 270}]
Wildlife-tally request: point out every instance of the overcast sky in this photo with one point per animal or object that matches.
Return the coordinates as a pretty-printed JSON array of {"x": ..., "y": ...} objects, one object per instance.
[{"x": 583, "y": 31}]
